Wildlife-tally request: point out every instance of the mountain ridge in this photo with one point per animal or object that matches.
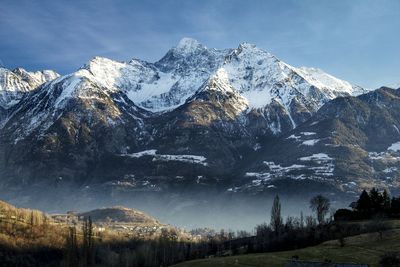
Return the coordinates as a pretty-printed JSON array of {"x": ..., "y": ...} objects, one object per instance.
[{"x": 199, "y": 114}]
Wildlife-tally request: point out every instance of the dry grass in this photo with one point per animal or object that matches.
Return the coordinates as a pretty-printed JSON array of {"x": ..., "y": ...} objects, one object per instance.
[{"x": 365, "y": 248}]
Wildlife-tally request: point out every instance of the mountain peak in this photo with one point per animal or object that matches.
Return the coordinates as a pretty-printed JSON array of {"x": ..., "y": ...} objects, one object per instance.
[
  {"x": 250, "y": 52},
  {"x": 250, "y": 48},
  {"x": 188, "y": 45},
  {"x": 19, "y": 70},
  {"x": 97, "y": 60},
  {"x": 246, "y": 45}
]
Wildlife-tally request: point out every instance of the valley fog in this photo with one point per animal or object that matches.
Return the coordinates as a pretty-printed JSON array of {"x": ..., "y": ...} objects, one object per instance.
[{"x": 190, "y": 210}]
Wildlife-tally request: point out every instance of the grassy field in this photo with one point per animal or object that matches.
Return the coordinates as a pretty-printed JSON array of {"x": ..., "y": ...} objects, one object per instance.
[{"x": 365, "y": 248}]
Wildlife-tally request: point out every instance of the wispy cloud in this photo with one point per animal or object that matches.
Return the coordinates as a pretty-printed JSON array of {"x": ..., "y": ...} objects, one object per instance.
[{"x": 355, "y": 40}]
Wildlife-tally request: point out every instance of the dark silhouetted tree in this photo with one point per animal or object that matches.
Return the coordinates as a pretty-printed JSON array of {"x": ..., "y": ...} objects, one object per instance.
[
  {"x": 88, "y": 246},
  {"x": 71, "y": 248},
  {"x": 276, "y": 217},
  {"x": 301, "y": 219},
  {"x": 364, "y": 203},
  {"x": 376, "y": 200},
  {"x": 386, "y": 201},
  {"x": 320, "y": 205},
  {"x": 395, "y": 206}
]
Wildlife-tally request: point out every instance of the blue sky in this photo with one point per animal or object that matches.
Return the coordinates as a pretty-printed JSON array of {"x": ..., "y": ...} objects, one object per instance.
[{"x": 355, "y": 40}]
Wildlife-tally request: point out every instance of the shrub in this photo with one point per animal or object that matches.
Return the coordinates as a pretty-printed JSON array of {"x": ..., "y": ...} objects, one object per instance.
[{"x": 390, "y": 259}]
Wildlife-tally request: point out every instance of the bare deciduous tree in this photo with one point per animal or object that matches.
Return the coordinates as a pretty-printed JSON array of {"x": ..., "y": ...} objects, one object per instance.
[{"x": 320, "y": 205}]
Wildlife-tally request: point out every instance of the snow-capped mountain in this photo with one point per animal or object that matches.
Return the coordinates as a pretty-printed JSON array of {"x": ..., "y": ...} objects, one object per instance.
[
  {"x": 332, "y": 86},
  {"x": 13, "y": 84},
  {"x": 36, "y": 78},
  {"x": 78, "y": 96},
  {"x": 267, "y": 82},
  {"x": 256, "y": 74},
  {"x": 284, "y": 95},
  {"x": 197, "y": 112}
]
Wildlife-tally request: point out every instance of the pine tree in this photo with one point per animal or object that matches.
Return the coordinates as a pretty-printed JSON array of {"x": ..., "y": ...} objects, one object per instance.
[
  {"x": 386, "y": 201},
  {"x": 276, "y": 217},
  {"x": 395, "y": 206},
  {"x": 72, "y": 248},
  {"x": 88, "y": 247},
  {"x": 364, "y": 203},
  {"x": 301, "y": 219},
  {"x": 376, "y": 200}
]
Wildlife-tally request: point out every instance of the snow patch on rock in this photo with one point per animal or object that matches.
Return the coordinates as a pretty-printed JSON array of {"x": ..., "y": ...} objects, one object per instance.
[
  {"x": 316, "y": 157},
  {"x": 310, "y": 142},
  {"x": 165, "y": 157},
  {"x": 394, "y": 147}
]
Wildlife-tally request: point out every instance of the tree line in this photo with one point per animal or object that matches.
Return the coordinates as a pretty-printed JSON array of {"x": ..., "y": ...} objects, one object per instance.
[
  {"x": 277, "y": 235},
  {"x": 372, "y": 204},
  {"x": 167, "y": 249},
  {"x": 84, "y": 246}
]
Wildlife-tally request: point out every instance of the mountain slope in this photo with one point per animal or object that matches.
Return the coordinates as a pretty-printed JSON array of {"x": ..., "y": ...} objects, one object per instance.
[
  {"x": 265, "y": 82},
  {"x": 70, "y": 125},
  {"x": 211, "y": 124},
  {"x": 350, "y": 143}
]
